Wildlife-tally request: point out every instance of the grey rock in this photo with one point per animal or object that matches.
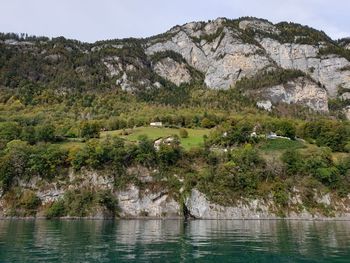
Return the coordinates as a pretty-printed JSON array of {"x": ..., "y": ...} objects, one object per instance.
[
  {"x": 345, "y": 96},
  {"x": 299, "y": 91},
  {"x": 223, "y": 61},
  {"x": 257, "y": 24},
  {"x": 173, "y": 71},
  {"x": 199, "y": 207},
  {"x": 264, "y": 104},
  {"x": 113, "y": 66},
  {"x": 326, "y": 70},
  {"x": 347, "y": 112},
  {"x": 133, "y": 203}
]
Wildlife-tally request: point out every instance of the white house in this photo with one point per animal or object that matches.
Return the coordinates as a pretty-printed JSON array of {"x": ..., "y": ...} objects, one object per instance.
[
  {"x": 273, "y": 136},
  {"x": 156, "y": 124}
]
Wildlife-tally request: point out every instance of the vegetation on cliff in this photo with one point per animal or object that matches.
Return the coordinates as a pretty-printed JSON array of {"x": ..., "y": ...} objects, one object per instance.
[{"x": 66, "y": 107}]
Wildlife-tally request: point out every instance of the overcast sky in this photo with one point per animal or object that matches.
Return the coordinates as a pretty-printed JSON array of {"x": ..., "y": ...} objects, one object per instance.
[{"x": 91, "y": 20}]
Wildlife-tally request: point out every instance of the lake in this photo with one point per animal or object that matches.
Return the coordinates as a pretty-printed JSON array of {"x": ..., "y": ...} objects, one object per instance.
[{"x": 173, "y": 241}]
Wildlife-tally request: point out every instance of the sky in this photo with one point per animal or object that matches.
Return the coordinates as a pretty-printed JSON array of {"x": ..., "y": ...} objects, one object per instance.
[{"x": 92, "y": 20}]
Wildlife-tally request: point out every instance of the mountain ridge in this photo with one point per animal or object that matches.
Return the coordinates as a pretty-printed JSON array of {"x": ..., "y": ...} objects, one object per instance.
[{"x": 216, "y": 54}]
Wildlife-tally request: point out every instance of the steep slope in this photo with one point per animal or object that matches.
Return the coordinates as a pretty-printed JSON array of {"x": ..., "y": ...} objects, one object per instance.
[
  {"x": 228, "y": 50},
  {"x": 217, "y": 54}
]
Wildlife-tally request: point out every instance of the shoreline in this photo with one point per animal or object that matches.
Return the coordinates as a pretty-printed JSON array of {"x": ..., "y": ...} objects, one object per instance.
[{"x": 326, "y": 219}]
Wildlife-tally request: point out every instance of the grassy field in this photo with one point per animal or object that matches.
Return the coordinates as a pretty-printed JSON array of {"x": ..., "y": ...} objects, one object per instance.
[
  {"x": 281, "y": 144},
  {"x": 195, "y": 136}
]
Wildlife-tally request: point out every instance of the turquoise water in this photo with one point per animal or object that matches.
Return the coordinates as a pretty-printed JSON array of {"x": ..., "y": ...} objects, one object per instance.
[{"x": 173, "y": 241}]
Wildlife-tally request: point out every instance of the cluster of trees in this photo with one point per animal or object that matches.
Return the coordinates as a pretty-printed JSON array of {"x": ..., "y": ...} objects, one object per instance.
[
  {"x": 288, "y": 32},
  {"x": 333, "y": 134},
  {"x": 82, "y": 202},
  {"x": 244, "y": 172},
  {"x": 320, "y": 165},
  {"x": 21, "y": 161},
  {"x": 240, "y": 131},
  {"x": 326, "y": 133},
  {"x": 32, "y": 134},
  {"x": 113, "y": 152},
  {"x": 333, "y": 49},
  {"x": 268, "y": 79}
]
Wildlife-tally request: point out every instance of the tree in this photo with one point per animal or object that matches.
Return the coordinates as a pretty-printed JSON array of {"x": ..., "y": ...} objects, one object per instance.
[
  {"x": 14, "y": 163},
  {"x": 169, "y": 154},
  {"x": 206, "y": 123},
  {"x": 45, "y": 133},
  {"x": 89, "y": 129},
  {"x": 146, "y": 153},
  {"x": 9, "y": 130}
]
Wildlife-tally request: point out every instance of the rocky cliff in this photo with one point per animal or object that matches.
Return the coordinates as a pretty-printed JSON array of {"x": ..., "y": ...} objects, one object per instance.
[{"x": 143, "y": 199}]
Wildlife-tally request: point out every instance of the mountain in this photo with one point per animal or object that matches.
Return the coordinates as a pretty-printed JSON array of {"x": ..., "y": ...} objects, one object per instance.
[
  {"x": 294, "y": 64},
  {"x": 225, "y": 119}
]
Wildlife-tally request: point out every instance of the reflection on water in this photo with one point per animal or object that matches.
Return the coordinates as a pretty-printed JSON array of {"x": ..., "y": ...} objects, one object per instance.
[{"x": 174, "y": 241}]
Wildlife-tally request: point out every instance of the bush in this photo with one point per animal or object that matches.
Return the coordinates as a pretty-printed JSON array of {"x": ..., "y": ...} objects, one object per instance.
[
  {"x": 45, "y": 133},
  {"x": 146, "y": 153},
  {"x": 207, "y": 123},
  {"x": 29, "y": 200},
  {"x": 9, "y": 131},
  {"x": 294, "y": 162},
  {"x": 169, "y": 154},
  {"x": 57, "y": 209},
  {"x": 89, "y": 129},
  {"x": 106, "y": 199},
  {"x": 328, "y": 133},
  {"x": 183, "y": 133}
]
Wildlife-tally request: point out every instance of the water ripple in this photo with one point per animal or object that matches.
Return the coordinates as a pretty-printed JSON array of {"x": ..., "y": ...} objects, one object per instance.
[{"x": 173, "y": 241}]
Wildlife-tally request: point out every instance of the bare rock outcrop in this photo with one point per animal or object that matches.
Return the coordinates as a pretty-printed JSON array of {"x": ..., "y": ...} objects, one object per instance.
[
  {"x": 200, "y": 207},
  {"x": 216, "y": 51},
  {"x": 134, "y": 203},
  {"x": 299, "y": 91},
  {"x": 328, "y": 70},
  {"x": 173, "y": 71}
]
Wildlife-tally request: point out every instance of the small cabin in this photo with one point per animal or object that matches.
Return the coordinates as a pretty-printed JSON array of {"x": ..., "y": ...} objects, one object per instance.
[
  {"x": 273, "y": 136},
  {"x": 156, "y": 124}
]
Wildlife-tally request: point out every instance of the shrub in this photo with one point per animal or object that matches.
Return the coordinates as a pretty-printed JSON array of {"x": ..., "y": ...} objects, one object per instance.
[
  {"x": 294, "y": 162},
  {"x": 280, "y": 194},
  {"x": 106, "y": 199},
  {"x": 57, "y": 209},
  {"x": 9, "y": 131},
  {"x": 183, "y": 133},
  {"x": 145, "y": 153},
  {"x": 89, "y": 129},
  {"x": 169, "y": 154},
  {"x": 29, "y": 200},
  {"x": 207, "y": 123},
  {"x": 45, "y": 133}
]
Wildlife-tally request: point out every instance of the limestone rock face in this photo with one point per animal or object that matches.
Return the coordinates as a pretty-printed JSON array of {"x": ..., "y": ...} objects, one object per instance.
[
  {"x": 133, "y": 203},
  {"x": 299, "y": 91},
  {"x": 199, "y": 207},
  {"x": 326, "y": 70},
  {"x": 264, "y": 104},
  {"x": 224, "y": 59},
  {"x": 257, "y": 24},
  {"x": 113, "y": 66},
  {"x": 220, "y": 50},
  {"x": 347, "y": 112},
  {"x": 173, "y": 71}
]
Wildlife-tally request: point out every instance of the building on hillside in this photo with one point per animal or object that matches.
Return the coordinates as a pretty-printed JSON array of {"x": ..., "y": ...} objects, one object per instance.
[
  {"x": 273, "y": 136},
  {"x": 156, "y": 124}
]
